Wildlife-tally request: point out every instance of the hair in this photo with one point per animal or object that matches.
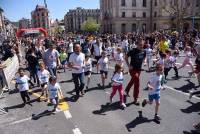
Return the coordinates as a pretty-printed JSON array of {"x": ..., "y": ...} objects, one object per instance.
[
  {"x": 117, "y": 67},
  {"x": 119, "y": 49},
  {"x": 176, "y": 53},
  {"x": 159, "y": 66},
  {"x": 52, "y": 78},
  {"x": 20, "y": 69}
]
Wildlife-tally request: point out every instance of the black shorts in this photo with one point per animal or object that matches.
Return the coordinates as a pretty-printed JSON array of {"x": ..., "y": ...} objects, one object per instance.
[
  {"x": 43, "y": 84},
  {"x": 97, "y": 58},
  {"x": 104, "y": 72},
  {"x": 87, "y": 73}
]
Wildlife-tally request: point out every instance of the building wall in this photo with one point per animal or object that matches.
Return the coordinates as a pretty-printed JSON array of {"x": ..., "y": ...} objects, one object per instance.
[
  {"x": 24, "y": 23},
  {"x": 157, "y": 17},
  {"x": 40, "y": 17},
  {"x": 74, "y": 18}
]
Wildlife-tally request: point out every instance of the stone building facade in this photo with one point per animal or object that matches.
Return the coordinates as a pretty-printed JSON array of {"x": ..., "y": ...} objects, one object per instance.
[
  {"x": 74, "y": 18},
  {"x": 40, "y": 17},
  {"x": 24, "y": 23},
  {"x": 122, "y": 16}
]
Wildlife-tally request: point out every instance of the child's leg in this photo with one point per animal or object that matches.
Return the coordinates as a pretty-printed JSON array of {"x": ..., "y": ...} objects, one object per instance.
[
  {"x": 121, "y": 93},
  {"x": 27, "y": 96},
  {"x": 22, "y": 93},
  {"x": 176, "y": 71},
  {"x": 157, "y": 106},
  {"x": 183, "y": 65},
  {"x": 103, "y": 79},
  {"x": 114, "y": 90},
  {"x": 88, "y": 80},
  {"x": 191, "y": 65}
]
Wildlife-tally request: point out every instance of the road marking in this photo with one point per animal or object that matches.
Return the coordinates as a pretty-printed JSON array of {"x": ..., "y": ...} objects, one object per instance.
[
  {"x": 63, "y": 105},
  {"x": 76, "y": 131},
  {"x": 168, "y": 87},
  {"x": 67, "y": 114},
  {"x": 107, "y": 92},
  {"x": 20, "y": 121}
]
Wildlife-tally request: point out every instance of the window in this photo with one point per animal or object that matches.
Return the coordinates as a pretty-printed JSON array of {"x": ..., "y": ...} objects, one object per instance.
[
  {"x": 154, "y": 26},
  {"x": 123, "y": 2},
  {"x": 197, "y": 3},
  {"x": 144, "y": 15},
  {"x": 155, "y": 3},
  {"x": 187, "y": 2},
  {"x": 144, "y": 4},
  {"x": 134, "y": 14},
  {"x": 155, "y": 14},
  {"x": 123, "y": 28},
  {"x": 134, "y": 3},
  {"x": 123, "y": 14},
  {"x": 133, "y": 27},
  {"x": 144, "y": 28}
]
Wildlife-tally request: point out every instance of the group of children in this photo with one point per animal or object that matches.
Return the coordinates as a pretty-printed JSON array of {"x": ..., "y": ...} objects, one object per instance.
[{"x": 50, "y": 87}]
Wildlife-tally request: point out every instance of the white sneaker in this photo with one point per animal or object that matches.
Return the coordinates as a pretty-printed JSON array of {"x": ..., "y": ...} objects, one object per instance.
[
  {"x": 58, "y": 110},
  {"x": 123, "y": 105}
]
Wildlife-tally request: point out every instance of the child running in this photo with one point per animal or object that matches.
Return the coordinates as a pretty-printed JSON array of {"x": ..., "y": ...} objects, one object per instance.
[
  {"x": 103, "y": 63},
  {"x": 53, "y": 89},
  {"x": 117, "y": 80},
  {"x": 23, "y": 86},
  {"x": 88, "y": 68},
  {"x": 43, "y": 76},
  {"x": 187, "y": 60},
  {"x": 154, "y": 86},
  {"x": 63, "y": 57}
]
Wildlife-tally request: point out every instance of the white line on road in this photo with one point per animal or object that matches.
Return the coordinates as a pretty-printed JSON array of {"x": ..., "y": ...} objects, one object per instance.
[
  {"x": 180, "y": 92},
  {"x": 76, "y": 131},
  {"x": 20, "y": 121},
  {"x": 67, "y": 114}
]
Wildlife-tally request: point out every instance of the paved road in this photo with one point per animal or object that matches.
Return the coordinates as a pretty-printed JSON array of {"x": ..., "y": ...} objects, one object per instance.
[{"x": 91, "y": 114}]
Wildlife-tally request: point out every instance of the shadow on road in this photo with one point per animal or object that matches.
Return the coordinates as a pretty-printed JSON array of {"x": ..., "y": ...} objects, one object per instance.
[
  {"x": 187, "y": 87},
  {"x": 42, "y": 114},
  {"x": 191, "y": 132},
  {"x": 137, "y": 121},
  {"x": 21, "y": 105},
  {"x": 107, "y": 108},
  {"x": 195, "y": 107}
]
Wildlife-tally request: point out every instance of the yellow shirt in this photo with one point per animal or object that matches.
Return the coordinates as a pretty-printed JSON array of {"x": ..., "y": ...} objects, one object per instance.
[{"x": 163, "y": 46}]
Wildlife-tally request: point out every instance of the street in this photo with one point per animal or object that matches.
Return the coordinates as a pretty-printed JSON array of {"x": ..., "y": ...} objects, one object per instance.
[{"x": 92, "y": 115}]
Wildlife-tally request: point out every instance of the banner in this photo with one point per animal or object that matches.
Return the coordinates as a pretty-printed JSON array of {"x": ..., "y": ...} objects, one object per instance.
[{"x": 8, "y": 73}]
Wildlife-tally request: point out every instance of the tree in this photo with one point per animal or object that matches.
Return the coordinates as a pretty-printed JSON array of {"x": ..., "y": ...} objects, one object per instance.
[
  {"x": 90, "y": 26},
  {"x": 177, "y": 11}
]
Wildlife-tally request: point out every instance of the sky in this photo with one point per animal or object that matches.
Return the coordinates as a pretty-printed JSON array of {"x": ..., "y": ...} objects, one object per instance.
[{"x": 14, "y": 10}]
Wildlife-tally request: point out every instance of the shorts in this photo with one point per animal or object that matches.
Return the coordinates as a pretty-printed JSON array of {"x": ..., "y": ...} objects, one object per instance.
[
  {"x": 155, "y": 97},
  {"x": 43, "y": 84},
  {"x": 104, "y": 72},
  {"x": 97, "y": 58},
  {"x": 63, "y": 62},
  {"x": 87, "y": 73},
  {"x": 54, "y": 101}
]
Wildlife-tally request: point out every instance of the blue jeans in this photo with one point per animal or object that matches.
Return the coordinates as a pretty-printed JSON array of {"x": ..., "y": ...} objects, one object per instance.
[
  {"x": 78, "y": 82},
  {"x": 53, "y": 71}
]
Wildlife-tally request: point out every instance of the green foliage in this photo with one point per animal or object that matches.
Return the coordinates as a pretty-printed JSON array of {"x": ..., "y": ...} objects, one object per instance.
[{"x": 90, "y": 26}]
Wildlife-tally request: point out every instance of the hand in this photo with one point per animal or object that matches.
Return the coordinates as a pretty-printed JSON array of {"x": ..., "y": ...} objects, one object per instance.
[{"x": 130, "y": 67}]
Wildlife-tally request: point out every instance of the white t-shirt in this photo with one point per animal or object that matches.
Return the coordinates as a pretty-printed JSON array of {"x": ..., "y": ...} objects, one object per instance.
[
  {"x": 118, "y": 79},
  {"x": 155, "y": 82},
  {"x": 124, "y": 44},
  {"x": 103, "y": 63},
  {"x": 119, "y": 58},
  {"x": 97, "y": 49},
  {"x": 78, "y": 61},
  {"x": 53, "y": 90},
  {"x": 148, "y": 53},
  {"x": 70, "y": 48},
  {"x": 22, "y": 83},
  {"x": 43, "y": 76},
  {"x": 88, "y": 65}
]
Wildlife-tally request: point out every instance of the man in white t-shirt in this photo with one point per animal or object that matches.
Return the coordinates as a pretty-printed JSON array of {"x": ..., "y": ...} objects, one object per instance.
[{"x": 77, "y": 63}]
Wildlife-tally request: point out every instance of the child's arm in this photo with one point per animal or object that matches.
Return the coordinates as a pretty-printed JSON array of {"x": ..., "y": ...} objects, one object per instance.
[{"x": 149, "y": 86}]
